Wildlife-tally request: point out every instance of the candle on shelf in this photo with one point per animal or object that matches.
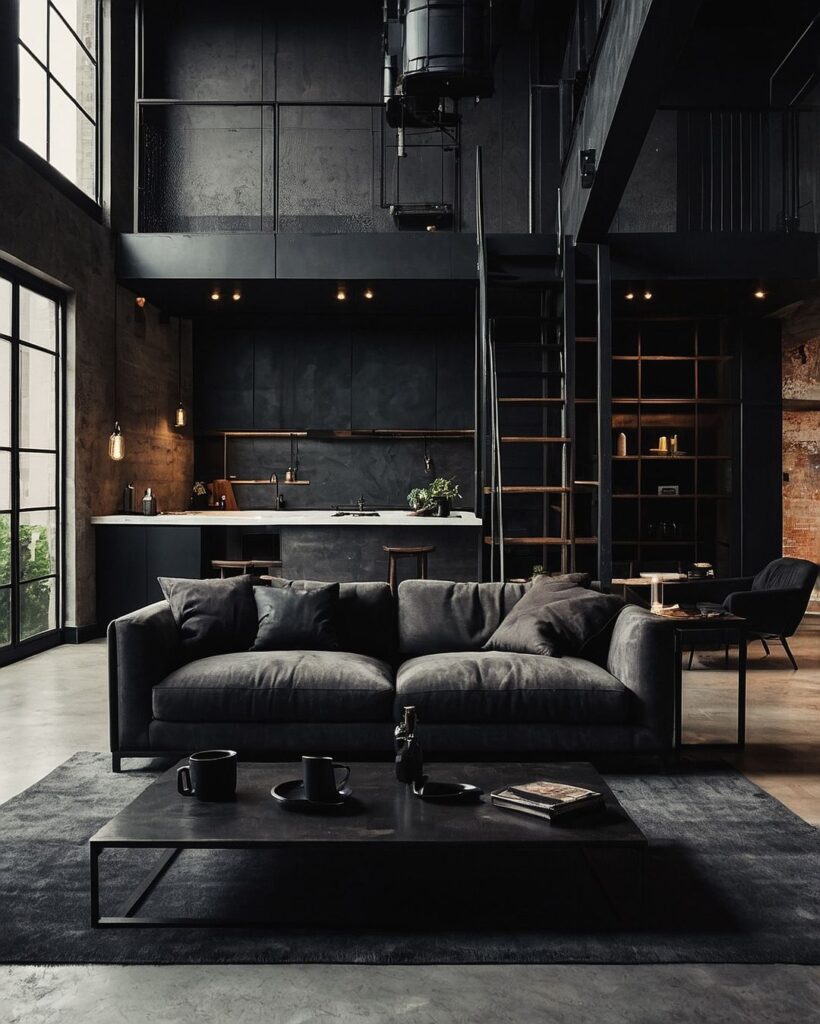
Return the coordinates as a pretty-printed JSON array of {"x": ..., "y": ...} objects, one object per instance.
[{"x": 621, "y": 449}]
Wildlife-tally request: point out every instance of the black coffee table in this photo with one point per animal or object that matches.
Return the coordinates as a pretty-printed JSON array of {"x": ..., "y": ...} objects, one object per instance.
[{"x": 385, "y": 821}]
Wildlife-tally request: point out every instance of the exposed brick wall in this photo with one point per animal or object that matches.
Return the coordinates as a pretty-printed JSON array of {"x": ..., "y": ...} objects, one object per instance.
[{"x": 801, "y": 435}]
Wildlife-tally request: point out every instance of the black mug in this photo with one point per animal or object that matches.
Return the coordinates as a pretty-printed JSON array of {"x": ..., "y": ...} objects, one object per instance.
[
  {"x": 319, "y": 774},
  {"x": 209, "y": 775}
]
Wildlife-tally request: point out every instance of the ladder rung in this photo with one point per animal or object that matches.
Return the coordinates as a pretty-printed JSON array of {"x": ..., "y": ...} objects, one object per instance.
[
  {"x": 586, "y": 340},
  {"x": 554, "y": 345},
  {"x": 552, "y": 541},
  {"x": 530, "y": 373},
  {"x": 529, "y": 489},
  {"x": 543, "y": 541},
  {"x": 535, "y": 440},
  {"x": 586, "y": 483},
  {"x": 531, "y": 401}
]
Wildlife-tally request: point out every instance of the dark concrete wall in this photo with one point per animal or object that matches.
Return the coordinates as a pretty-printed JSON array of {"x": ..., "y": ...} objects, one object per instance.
[
  {"x": 334, "y": 373},
  {"x": 220, "y": 168}
]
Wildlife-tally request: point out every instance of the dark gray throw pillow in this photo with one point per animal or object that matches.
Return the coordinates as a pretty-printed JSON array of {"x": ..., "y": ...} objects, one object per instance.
[
  {"x": 292, "y": 619},
  {"x": 557, "y": 620},
  {"x": 213, "y": 616}
]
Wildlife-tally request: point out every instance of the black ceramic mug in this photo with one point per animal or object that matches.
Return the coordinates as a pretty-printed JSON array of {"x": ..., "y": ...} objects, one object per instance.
[
  {"x": 209, "y": 775},
  {"x": 319, "y": 775}
]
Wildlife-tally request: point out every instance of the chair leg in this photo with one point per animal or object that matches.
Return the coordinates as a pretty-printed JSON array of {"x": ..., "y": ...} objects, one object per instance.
[
  {"x": 691, "y": 656},
  {"x": 725, "y": 657},
  {"x": 116, "y": 763},
  {"x": 765, "y": 646},
  {"x": 424, "y": 565},
  {"x": 391, "y": 573},
  {"x": 788, "y": 651}
]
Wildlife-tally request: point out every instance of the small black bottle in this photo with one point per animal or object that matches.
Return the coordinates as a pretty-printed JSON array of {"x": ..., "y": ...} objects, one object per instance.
[{"x": 409, "y": 761}]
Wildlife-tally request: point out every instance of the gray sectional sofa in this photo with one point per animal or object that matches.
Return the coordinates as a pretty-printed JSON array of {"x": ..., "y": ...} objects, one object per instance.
[{"x": 421, "y": 648}]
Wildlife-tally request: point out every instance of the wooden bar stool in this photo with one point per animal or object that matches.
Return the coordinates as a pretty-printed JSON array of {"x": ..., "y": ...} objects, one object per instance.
[
  {"x": 244, "y": 565},
  {"x": 393, "y": 556}
]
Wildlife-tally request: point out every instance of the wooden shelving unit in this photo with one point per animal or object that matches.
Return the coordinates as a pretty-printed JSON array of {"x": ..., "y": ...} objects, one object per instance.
[{"x": 673, "y": 377}]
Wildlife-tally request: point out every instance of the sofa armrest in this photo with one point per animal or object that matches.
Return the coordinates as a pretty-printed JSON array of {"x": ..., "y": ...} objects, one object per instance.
[
  {"x": 143, "y": 647},
  {"x": 642, "y": 656},
  {"x": 777, "y": 611}
]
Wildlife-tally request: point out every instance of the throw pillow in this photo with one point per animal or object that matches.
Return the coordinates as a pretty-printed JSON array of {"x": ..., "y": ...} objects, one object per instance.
[
  {"x": 292, "y": 619},
  {"x": 213, "y": 616},
  {"x": 558, "y": 620}
]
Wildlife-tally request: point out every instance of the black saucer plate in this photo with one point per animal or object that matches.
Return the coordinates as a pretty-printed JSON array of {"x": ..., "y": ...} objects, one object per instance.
[
  {"x": 291, "y": 794},
  {"x": 448, "y": 792}
]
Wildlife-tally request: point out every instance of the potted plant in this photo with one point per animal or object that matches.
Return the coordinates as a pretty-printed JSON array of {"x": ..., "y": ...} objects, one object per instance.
[
  {"x": 443, "y": 492},
  {"x": 419, "y": 499}
]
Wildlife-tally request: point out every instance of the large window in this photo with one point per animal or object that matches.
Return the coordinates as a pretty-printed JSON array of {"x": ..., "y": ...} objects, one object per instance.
[
  {"x": 31, "y": 329},
  {"x": 58, "y": 86}
]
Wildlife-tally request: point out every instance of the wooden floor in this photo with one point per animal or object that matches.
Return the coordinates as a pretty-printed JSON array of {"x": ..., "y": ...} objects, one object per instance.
[{"x": 782, "y": 752}]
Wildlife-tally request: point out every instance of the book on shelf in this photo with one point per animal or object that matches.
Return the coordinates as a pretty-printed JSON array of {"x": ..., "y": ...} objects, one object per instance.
[{"x": 549, "y": 800}]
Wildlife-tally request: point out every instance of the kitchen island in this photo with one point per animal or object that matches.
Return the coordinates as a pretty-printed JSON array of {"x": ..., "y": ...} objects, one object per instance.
[{"x": 132, "y": 550}]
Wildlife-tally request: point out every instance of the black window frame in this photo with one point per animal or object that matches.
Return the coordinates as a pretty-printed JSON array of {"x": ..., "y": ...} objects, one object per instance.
[
  {"x": 19, "y": 649},
  {"x": 10, "y": 44}
]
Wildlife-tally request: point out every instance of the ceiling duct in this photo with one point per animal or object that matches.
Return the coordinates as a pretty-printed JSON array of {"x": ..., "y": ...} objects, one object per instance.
[{"x": 447, "y": 48}]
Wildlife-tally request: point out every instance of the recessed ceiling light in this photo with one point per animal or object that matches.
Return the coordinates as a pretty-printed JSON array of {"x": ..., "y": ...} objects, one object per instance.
[
  {"x": 140, "y": 301},
  {"x": 760, "y": 294},
  {"x": 368, "y": 293},
  {"x": 341, "y": 293},
  {"x": 629, "y": 296},
  {"x": 647, "y": 294},
  {"x": 237, "y": 295},
  {"x": 215, "y": 295}
]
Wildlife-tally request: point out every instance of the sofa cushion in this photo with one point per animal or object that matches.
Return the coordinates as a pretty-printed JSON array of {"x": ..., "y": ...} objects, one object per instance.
[
  {"x": 559, "y": 619},
  {"x": 296, "y": 620},
  {"x": 493, "y": 686},
  {"x": 213, "y": 616},
  {"x": 365, "y": 616},
  {"x": 281, "y": 686},
  {"x": 437, "y": 616}
]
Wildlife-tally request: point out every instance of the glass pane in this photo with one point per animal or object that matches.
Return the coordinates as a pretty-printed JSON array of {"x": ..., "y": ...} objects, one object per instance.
[
  {"x": 38, "y": 608},
  {"x": 38, "y": 482},
  {"x": 33, "y": 26},
  {"x": 5, "y": 393},
  {"x": 70, "y": 65},
  {"x": 32, "y": 104},
  {"x": 38, "y": 319},
  {"x": 82, "y": 17},
  {"x": 5, "y": 479},
  {"x": 5, "y": 618},
  {"x": 5, "y": 550},
  {"x": 5, "y": 306},
  {"x": 38, "y": 401},
  {"x": 37, "y": 544},
  {"x": 73, "y": 142}
]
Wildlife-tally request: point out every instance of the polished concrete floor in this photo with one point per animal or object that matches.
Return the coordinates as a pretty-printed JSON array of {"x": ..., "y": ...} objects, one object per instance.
[{"x": 55, "y": 704}]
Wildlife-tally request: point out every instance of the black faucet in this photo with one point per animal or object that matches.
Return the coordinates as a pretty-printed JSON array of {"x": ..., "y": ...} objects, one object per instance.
[{"x": 279, "y": 501}]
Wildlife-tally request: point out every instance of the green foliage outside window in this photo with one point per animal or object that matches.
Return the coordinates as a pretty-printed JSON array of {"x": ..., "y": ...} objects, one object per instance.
[{"x": 35, "y": 560}]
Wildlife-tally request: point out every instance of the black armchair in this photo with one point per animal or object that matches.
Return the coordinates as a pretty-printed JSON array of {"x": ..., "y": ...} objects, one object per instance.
[{"x": 776, "y": 601}]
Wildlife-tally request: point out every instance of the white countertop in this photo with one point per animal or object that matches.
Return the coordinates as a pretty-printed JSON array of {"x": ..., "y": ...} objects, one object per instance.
[{"x": 287, "y": 517}]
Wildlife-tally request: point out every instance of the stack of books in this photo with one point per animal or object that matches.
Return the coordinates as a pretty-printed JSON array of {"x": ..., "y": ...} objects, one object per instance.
[{"x": 550, "y": 800}]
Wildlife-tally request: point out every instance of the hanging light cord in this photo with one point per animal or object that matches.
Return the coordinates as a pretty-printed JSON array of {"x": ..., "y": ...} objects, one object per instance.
[
  {"x": 179, "y": 356},
  {"x": 116, "y": 332}
]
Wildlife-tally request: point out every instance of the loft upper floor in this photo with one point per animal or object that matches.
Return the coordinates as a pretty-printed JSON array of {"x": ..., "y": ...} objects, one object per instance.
[{"x": 256, "y": 118}]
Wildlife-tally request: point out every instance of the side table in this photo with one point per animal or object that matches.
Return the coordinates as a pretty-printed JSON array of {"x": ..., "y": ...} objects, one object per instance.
[{"x": 700, "y": 623}]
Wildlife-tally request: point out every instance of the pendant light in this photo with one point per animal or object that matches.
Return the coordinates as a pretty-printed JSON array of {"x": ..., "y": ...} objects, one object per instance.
[
  {"x": 116, "y": 442},
  {"x": 181, "y": 418}
]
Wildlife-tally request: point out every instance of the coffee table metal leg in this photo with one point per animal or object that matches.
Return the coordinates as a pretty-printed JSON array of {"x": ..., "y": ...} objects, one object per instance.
[
  {"x": 94, "y": 858},
  {"x": 678, "y": 687},
  {"x": 741, "y": 686}
]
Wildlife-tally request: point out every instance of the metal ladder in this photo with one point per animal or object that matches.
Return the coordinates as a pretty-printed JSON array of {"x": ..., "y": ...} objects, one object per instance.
[{"x": 524, "y": 363}]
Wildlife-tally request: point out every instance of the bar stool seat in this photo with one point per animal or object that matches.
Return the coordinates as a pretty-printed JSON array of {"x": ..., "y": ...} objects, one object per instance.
[
  {"x": 243, "y": 565},
  {"x": 420, "y": 553}
]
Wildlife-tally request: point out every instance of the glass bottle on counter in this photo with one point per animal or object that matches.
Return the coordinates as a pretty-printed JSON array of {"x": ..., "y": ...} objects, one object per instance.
[
  {"x": 149, "y": 503},
  {"x": 409, "y": 761}
]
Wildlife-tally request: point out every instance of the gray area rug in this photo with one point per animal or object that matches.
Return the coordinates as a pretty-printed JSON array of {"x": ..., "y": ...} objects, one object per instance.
[{"x": 732, "y": 877}]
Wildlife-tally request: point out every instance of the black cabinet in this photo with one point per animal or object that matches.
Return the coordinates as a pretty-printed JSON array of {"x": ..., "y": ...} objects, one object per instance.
[
  {"x": 129, "y": 559},
  {"x": 223, "y": 381}
]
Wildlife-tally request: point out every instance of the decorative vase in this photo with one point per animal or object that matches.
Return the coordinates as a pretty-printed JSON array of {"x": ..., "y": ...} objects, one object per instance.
[{"x": 442, "y": 507}]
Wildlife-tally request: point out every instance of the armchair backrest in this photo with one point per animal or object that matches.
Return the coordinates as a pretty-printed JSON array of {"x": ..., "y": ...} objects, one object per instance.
[{"x": 787, "y": 573}]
